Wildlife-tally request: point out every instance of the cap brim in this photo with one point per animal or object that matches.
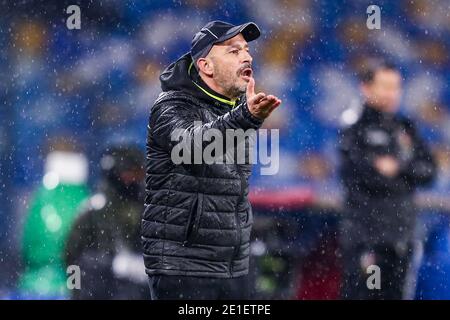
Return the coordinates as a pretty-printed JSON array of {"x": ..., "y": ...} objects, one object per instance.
[{"x": 249, "y": 30}]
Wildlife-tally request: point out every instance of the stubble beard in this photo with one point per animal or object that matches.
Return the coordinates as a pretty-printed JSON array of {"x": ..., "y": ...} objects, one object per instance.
[{"x": 229, "y": 82}]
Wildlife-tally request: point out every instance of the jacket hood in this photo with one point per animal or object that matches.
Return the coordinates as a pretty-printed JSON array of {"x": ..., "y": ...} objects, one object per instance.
[{"x": 181, "y": 75}]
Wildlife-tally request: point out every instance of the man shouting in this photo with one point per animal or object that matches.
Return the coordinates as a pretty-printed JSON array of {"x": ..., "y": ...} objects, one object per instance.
[{"x": 197, "y": 219}]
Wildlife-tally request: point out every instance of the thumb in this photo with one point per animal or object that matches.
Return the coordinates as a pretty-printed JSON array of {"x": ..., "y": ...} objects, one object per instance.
[{"x": 250, "y": 88}]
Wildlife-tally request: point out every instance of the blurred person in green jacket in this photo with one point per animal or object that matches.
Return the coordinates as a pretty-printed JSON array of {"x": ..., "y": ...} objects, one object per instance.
[{"x": 51, "y": 214}]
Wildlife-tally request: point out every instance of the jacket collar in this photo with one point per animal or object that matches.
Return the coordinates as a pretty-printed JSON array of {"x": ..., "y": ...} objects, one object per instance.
[
  {"x": 372, "y": 113},
  {"x": 202, "y": 86}
]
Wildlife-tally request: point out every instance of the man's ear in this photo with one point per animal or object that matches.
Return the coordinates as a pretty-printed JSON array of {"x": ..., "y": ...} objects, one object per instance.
[{"x": 205, "y": 65}]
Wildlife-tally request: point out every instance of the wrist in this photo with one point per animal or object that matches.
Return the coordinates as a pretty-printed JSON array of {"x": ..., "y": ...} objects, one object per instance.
[{"x": 249, "y": 115}]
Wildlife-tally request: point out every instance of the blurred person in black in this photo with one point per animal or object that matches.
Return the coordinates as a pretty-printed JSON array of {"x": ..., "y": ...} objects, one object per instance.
[
  {"x": 197, "y": 221},
  {"x": 105, "y": 240},
  {"x": 383, "y": 161}
]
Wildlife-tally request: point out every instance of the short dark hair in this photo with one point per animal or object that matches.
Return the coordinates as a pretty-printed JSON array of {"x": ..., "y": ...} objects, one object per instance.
[{"x": 371, "y": 66}]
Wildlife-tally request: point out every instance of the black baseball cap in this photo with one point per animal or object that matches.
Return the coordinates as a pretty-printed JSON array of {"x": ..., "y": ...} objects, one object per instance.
[{"x": 218, "y": 31}]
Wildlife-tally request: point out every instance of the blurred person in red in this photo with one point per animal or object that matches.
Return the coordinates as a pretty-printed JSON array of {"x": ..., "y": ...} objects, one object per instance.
[{"x": 383, "y": 161}]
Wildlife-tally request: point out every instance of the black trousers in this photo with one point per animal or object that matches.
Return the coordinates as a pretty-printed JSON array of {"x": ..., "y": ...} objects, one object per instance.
[
  {"x": 164, "y": 287},
  {"x": 393, "y": 263}
]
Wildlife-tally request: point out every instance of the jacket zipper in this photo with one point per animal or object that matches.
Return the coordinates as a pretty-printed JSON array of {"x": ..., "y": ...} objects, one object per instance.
[
  {"x": 237, "y": 220},
  {"x": 193, "y": 212}
]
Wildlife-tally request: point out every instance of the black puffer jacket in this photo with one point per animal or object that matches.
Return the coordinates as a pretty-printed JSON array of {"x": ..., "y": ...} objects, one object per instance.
[
  {"x": 197, "y": 219},
  {"x": 380, "y": 208}
]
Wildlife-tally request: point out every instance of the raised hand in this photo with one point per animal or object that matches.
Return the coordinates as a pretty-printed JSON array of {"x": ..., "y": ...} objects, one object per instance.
[{"x": 260, "y": 105}]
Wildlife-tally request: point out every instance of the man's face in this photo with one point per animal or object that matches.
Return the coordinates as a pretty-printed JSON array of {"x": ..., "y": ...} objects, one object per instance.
[
  {"x": 384, "y": 91},
  {"x": 231, "y": 65}
]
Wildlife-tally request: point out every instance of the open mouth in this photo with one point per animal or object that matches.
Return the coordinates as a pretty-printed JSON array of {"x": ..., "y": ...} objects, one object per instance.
[{"x": 247, "y": 73}]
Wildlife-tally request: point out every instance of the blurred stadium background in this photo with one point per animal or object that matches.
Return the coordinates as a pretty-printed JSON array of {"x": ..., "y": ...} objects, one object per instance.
[{"x": 90, "y": 88}]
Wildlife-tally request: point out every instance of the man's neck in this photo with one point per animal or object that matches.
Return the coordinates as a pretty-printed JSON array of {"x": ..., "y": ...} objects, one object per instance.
[
  {"x": 379, "y": 111},
  {"x": 214, "y": 86},
  {"x": 377, "y": 108}
]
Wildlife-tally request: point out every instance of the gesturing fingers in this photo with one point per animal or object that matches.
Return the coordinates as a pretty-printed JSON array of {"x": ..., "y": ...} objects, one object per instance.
[
  {"x": 274, "y": 102},
  {"x": 250, "y": 88},
  {"x": 275, "y": 105},
  {"x": 259, "y": 98},
  {"x": 268, "y": 102},
  {"x": 260, "y": 104}
]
